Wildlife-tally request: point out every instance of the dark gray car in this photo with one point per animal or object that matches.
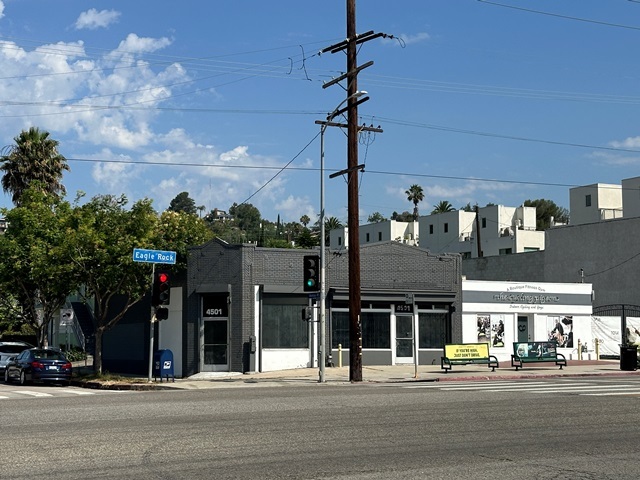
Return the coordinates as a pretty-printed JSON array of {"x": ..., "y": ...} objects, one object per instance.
[{"x": 10, "y": 349}]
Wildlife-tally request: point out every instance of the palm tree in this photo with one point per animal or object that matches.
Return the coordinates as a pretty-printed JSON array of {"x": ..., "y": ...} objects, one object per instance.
[
  {"x": 442, "y": 206},
  {"x": 33, "y": 158},
  {"x": 304, "y": 220},
  {"x": 415, "y": 194},
  {"x": 331, "y": 223}
]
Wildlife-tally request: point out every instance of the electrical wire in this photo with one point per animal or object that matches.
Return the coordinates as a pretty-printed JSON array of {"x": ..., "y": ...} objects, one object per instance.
[{"x": 567, "y": 17}]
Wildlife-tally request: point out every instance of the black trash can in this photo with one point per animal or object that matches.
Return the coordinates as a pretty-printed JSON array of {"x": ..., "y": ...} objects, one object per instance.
[
  {"x": 163, "y": 365},
  {"x": 628, "y": 357}
]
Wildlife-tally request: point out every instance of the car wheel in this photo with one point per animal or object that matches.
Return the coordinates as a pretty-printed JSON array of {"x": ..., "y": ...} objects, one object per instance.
[
  {"x": 6, "y": 375},
  {"x": 23, "y": 377}
]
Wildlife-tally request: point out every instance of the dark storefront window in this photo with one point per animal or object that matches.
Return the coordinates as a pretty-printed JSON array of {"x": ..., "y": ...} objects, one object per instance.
[
  {"x": 435, "y": 329},
  {"x": 376, "y": 329},
  {"x": 283, "y": 327}
]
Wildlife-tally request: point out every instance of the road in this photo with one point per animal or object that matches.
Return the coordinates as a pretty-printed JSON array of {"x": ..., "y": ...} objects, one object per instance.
[{"x": 554, "y": 430}]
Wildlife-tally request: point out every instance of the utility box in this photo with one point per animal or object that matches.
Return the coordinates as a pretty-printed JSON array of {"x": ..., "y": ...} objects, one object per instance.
[{"x": 163, "y": 365}]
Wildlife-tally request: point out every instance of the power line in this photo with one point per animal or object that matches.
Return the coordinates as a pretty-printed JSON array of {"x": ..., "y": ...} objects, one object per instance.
[{"x": 567, "y": 17}]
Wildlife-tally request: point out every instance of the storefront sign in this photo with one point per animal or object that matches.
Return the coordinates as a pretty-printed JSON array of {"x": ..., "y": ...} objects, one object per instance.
[{"x": 215, "y": 305}]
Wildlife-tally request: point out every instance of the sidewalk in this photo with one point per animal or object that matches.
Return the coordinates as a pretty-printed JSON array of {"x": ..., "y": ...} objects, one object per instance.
[{"x": 397, "y": 374}]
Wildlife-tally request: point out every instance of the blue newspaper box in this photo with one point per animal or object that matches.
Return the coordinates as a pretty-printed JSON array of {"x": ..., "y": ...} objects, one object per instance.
[{"x": 163, "y": 365}]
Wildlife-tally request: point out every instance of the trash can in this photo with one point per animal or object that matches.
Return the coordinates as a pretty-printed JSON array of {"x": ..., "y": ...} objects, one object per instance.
[
  {"x": 628, "y": 357},
  {"x": 163, "y": 365}
]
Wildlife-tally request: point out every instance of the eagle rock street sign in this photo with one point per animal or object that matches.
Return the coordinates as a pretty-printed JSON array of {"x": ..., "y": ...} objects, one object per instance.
[{"x": 153, "y": 256}]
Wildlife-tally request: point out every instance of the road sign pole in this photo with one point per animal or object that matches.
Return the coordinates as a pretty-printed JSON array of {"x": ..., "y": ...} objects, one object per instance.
[{"x": 151, "y": 330}]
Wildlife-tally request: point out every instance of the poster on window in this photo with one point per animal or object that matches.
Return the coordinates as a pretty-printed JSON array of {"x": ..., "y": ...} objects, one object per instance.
[
  {"x": 484, "y": 328},
  {"x": 497, "y": 331},
  {"x": 560, "y": 330}
]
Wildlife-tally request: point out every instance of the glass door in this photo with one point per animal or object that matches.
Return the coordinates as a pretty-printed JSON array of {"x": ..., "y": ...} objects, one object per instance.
[
  {"x": 404, "y": 339},
  {"x": 523, "y": 329},
  {"x": 215, "y": 345}
]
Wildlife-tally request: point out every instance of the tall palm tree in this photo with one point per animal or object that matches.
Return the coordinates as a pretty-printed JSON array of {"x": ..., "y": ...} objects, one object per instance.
[
  {"x": 34, "y": 157},
  {"x": 442, "y": 206},
  {"x": 415, "y": 194}
]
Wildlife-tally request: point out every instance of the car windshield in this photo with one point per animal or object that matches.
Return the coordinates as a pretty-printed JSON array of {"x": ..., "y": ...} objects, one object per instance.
[
  {"x": 47, "y": 355},
  {"x": 12, "y": 348}
]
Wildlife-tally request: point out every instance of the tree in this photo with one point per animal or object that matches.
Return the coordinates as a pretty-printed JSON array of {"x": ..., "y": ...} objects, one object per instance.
[
  {"x": 442, "y": 207},
  {"x": 247, "y": 218},
  {"x": 467, "y": 208},
  {"x": 545, "y": 209},
  {"x": 34, "y": 157},
  {"x": 307, "y": 240},
  {"x": 102, "y": 242},
  {"x": 376, "y": 217},
  {"x": 177, "y": 231},
  {"x": 304, "y": 220},
  {"x": 183, "y": 203},
  {"x": 402, "y": 217},
  {"x": 35, "y": 264},
  {"x": 415, "y": 194}
]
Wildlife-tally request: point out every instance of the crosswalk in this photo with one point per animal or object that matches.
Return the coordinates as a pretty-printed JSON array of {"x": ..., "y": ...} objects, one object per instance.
[
  {"x": 582, "y": 387},
  {"x": 7, "y": 394}
]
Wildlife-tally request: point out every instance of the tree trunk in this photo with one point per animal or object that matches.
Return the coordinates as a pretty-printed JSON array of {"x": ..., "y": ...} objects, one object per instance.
[{"x": 97, "y": 357}]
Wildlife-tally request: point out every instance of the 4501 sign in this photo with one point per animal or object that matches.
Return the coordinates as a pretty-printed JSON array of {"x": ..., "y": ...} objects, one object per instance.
[{"x": 215, "y": 305}]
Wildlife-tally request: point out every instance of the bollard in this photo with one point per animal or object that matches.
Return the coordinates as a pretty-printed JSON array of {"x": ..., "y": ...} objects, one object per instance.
[
  {"x": 597, "y": 349},
  {"x": 339, "y": 355}
]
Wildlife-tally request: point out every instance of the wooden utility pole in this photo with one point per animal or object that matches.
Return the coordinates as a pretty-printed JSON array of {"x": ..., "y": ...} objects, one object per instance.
[
  {"x": 349, "y": 46},
  {"x": 353, "y": 222}
]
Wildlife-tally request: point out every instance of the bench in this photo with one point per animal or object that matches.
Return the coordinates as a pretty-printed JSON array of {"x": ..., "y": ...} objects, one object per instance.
[
  {"x": 536, "y": 352},
  {"x": 467, "y": 353}
]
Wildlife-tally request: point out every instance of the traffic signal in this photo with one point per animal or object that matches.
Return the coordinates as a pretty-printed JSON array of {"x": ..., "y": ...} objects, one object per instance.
[
  {"x": 311, "y": 273},
  {"x": 162, "y": 313},
  {"x": 161, "y": 291}
]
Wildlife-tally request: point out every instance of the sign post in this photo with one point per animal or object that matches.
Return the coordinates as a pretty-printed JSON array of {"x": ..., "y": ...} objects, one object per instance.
[{"x": 153, "y": 256}]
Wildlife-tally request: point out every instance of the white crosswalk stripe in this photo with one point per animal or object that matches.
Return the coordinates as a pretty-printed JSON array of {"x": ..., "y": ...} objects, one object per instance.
[
  {"x": 33, "y": 394},
  {"x": 592, "y": 388}
]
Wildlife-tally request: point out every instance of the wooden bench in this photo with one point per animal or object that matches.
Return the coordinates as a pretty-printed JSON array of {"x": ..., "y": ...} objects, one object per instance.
[
  {"x": 536, "y": 352},
  {"x": 467, "y": 353}
]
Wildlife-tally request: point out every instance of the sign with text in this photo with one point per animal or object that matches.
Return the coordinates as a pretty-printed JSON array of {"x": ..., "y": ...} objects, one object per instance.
[
  {"x": 466, "y": 350},
  {"x": 153, "y": 256}
]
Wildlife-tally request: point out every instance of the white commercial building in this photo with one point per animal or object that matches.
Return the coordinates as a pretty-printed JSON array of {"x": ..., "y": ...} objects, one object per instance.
[{"x": 504, "y": 313}]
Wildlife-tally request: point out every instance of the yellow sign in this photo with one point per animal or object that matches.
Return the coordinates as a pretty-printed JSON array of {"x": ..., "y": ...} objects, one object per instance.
[{"x": 466, "y": 350}]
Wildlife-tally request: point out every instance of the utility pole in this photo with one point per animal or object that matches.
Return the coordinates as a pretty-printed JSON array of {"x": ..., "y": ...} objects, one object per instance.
[{"x": 353, "y": 222}]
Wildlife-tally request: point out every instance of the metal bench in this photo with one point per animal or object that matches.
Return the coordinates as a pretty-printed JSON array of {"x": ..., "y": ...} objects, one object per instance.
[
  {"x": 536, "y": 352},
  {"x": 467, "y": 353}
]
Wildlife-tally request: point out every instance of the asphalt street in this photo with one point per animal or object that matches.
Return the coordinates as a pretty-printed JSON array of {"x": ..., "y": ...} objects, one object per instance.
[{"x": 499, "y": 429}]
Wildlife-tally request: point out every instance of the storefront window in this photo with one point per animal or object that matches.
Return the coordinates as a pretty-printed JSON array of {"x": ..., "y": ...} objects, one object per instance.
[
  {"x": 435, "y": 330},
  {"x": 376, "y": 329},
  {"x": 283, "y": 328}
]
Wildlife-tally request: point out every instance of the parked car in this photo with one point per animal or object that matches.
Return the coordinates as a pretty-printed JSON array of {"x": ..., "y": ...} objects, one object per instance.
[
  {"x": 38, "y": 365},
  {"x": 10, "y": 349}
]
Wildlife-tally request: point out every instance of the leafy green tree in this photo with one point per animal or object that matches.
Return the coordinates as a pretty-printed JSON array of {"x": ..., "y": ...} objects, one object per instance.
[
  {"x": 467, "y": 208},
  {"x": 307, "y": 240},
  {"x": 176, "y": 231},
  {"x": 545, "y": 209},
  {"x": 376, "y": 217},
  {"x": 183, "y": 203},
  {"x": 247, "y": 219},
  {"x": 33, "y": 158},
  {"x": 102, "y": 239},
  {"x": 442, "y": 207},
  {"x": 402, "y": 217},
  {"x": 35, "y": 265},
  {"x": 304, "y": 220},
  {"x": 415, "y": 194}
]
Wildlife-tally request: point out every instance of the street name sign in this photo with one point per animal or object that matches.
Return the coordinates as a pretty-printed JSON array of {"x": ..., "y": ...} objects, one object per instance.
[{"x": 153, "y": 256}]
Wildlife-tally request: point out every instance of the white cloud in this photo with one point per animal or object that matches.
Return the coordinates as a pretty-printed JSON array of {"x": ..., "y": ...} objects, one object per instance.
[
  {"x": 115, "y": 174},
  {"x": 403, "y": 39},
  {"x": 93, "y": 19},
  {"x": 629, "y": 142},
  {"x": 1, "y": 9}
]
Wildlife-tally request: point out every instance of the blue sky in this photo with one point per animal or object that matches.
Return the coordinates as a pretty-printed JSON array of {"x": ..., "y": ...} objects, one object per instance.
[{"x": 479, "y": 102}]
